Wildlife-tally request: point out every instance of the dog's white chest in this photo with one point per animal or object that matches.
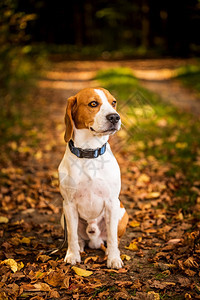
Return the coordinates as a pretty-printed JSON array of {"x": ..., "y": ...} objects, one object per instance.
[{"x": 90, "y": 197}]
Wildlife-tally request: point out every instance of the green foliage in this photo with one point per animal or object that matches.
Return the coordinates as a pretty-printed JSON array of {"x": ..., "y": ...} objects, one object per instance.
[
  {"x": 17, "y": 66},
  {"x": 190, "y": 76},
  {"x": 153, "y": 128},
  {"x": 12, "y": 37},
  {"x": 67, "y": 51}
]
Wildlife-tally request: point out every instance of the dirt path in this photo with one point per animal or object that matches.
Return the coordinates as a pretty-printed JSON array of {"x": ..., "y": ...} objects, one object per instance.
[
  {"x": 32, "y": 204},
  {"x": 155, "y": 75}
]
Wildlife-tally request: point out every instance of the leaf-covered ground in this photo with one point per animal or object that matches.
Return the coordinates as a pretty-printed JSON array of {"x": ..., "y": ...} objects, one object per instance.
[{"x": 158, "y": 153}]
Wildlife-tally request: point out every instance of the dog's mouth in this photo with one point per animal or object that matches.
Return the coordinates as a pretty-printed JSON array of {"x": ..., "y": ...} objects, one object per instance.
[{"x": 109, "y": 131}]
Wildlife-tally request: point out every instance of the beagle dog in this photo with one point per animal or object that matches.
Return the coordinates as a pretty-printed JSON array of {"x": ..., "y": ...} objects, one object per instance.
[{"x": 89, "y": 177}]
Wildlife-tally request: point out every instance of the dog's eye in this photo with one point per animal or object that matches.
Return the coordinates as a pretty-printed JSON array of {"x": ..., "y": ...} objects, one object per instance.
[
  {"x": 93, "y": 104},
  {"x": 114, "y": 103}
]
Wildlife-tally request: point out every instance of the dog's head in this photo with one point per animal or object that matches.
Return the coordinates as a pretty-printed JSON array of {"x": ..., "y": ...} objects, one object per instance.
[{"x": 92, "y": 109}]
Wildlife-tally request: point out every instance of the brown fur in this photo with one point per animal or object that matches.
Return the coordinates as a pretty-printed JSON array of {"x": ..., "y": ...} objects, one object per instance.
[
  {"x": 79, "y": 111},
  {"x": 71, "y": 102},
  {"x": 122, "y": 223}
]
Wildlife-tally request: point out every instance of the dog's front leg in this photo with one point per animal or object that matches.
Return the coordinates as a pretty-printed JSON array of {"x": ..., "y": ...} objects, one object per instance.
[
  {"x": 114, "y": 260},
  {"x": 71, "y": 215}
]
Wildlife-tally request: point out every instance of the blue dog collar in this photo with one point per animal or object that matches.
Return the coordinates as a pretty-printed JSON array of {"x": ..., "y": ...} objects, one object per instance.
[{"x": 86, "y": 153}]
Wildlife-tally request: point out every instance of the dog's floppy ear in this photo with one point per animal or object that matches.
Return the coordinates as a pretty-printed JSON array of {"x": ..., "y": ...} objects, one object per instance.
[{"x": 71, "y": 102}]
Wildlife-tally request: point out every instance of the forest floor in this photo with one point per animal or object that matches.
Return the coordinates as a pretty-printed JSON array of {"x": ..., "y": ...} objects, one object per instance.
[{"x": 161, "y": 248}]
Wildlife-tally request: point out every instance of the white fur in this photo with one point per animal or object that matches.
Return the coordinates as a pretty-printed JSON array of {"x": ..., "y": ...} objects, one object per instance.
[
  {"x": 100, "y": 122},
  {"x": 90, "y": 188}
]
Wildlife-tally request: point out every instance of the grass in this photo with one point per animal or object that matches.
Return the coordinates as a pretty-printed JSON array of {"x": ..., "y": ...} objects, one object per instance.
[
  {"x": 153, "y": 129},
  {"x": 190, "y": 76}
]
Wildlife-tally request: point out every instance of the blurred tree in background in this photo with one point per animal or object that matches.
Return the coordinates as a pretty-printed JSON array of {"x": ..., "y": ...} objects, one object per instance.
[
  {"x": 15, "y": 66},
  {"x": 170, "y": 27}
]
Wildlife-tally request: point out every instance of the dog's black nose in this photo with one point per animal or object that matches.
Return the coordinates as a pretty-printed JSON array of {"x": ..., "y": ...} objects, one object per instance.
[{"x": 113, "y": 118}]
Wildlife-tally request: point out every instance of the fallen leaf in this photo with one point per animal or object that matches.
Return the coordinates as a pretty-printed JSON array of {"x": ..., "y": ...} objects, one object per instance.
[
  {"x": 190, "y": 272},
  {"x": 20, "y": 266},
  {"x": 166, "y": 273},
  {"x": 136, "y": 284},
  {"x": 132, "y": 246},
  {"x": 122, "y": 270},
  {"x": 179, "y": 216},
  {"x": 161, "y": 285},
  {"x": 163, "y": 266},
  {"x": 27, "y": 287},
  {"x": 143, "y": 178},
  {"x": 55, "y": 278},
  {"x": 66, "y": 282},
  {"x": 3, "y": 220},
  {"x": 134, "y": 224},
  {"x": 43, "y": 257},
  {"x": 188, "y": 296},
  {"x": 11, "y": 263},
  {"x": 125, "y": 257},
  {"x": 35, "y": 276},
  {"x": 121, "y": 295},
  {"x": 103, "y": 248},
  {"x": 81, "y": 272},
  {"x": 165, "y": 229},
  {"x": 184, "y": 282},
  {"x": 54, "y": 294},
  {"x": 26, "y": 240},
  {"x": 153, "y": 295},
  {"x": 103, "y": 294},
  {"x": 123, "y": 283},
  {"x": 152, "y": 195},
  {"x": 174, "y": 241},
  {"x": 190, "y": 262},
  {"x": 41, "y": 286},
  {"x": 92, "y": 258}
]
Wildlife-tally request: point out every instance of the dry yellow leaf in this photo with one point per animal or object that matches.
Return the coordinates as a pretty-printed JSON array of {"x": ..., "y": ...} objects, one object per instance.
[
  {"x": 152, "y": 195},
  {"x": 134, "y": 224},
  {"x": 20, "y": 266},
  {"x": 25, "y": 240},
  {"x": 144, "y": 178},
  {"x": 155, "y": 295},
  {"x": 3, "y": 220},
  {"x": 179, "y": 216},
  {"x": 166, "y": 273},
  {"x": 11, "y": 263},
  {"x": 125, "y": 257},
  {"x": 82, "y": 272},
  {"x": 188, "y": 296},
  {"x": 133, "y": 246}
]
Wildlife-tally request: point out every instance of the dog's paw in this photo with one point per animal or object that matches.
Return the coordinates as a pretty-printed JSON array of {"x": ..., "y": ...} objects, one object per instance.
[
  {"x": 114, "y": 262},
  {"x": 72, "y": 258}
]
